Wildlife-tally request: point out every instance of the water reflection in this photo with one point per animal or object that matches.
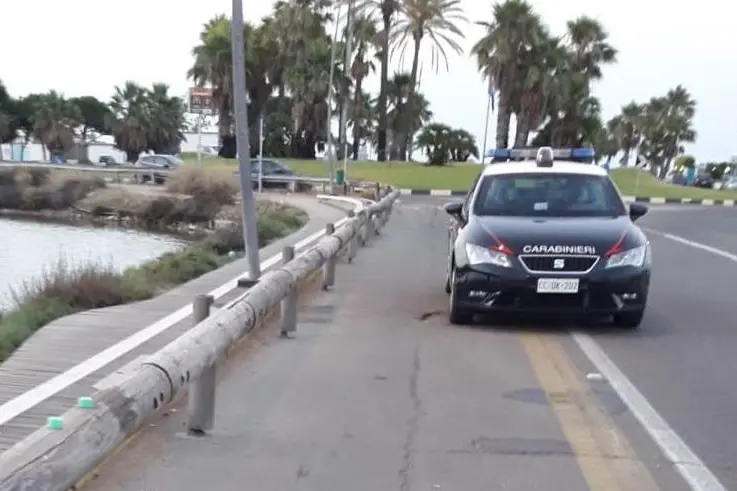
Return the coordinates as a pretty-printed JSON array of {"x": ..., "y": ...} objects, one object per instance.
[{"x": 27, "y": 248}]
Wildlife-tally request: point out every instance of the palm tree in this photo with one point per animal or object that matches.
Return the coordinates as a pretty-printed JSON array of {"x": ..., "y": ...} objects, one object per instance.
[
  {"x": 420, "y": 19},
  {"x": 365, "y": 38},
  {"x": 462, "y": 145},
  {"x": 435, "y": 139},
  {"x": 55, "y": 119},
  {"x": 165, "y": 120},
  {"x": 629, "y": 129},
  {"x": 401, "y": 100},
  {"x": 514, "y": 27},
  {"x": 361, "y": 117},
  {"x": 538, "y": 85},
  {"x": 213, "y": 65},
  {"x": 131, "y": 120},
  {"x": 387, "y": 9}
]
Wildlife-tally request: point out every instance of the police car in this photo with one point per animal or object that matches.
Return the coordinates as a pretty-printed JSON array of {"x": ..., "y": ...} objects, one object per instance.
[{"x": 546, "y": 231}]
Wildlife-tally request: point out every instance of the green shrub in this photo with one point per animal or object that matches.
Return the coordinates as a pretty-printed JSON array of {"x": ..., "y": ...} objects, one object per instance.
[{"x": 174, "y": 268}]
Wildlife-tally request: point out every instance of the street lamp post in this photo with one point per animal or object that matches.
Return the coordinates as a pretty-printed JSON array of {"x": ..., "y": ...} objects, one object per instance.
[
  {"x": 250, "y": 231},
  {"x": 331, "y": 75},
  {"x": 347, "y": 68}
]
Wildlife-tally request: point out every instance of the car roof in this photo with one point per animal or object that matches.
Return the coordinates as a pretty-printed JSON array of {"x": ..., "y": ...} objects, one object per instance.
[{"x": 531, "y": 167}]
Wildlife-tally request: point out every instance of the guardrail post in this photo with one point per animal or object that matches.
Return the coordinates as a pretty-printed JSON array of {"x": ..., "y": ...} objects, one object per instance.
[
  {"x": 328, "y": 269},
  {"x": 370, "y": 226},
  {"x": 288, "y": 305},
  {"x": 201, "y": 393},
  {"x": 363, "y": 216},
  {"x": 293, "y": 186},
  {"x": 354, "y": 239}
]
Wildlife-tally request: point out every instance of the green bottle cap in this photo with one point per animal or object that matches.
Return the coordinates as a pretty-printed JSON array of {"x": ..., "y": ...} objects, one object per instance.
[
  {"x": 85, "y": 402},
  {"x": 54, "y": 423}
]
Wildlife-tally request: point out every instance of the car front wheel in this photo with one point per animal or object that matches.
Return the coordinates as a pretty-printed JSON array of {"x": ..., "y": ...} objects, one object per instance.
[{"x": 457, "y": 315}]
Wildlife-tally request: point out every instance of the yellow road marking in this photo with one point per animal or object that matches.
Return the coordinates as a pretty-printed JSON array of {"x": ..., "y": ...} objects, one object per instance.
[{"x": 602, "y": 452}]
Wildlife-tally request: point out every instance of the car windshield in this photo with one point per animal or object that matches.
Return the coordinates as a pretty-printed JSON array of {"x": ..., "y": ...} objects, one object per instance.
[
  {"x": 175, "y": 160},
  {"x": 550, "y": 195}
]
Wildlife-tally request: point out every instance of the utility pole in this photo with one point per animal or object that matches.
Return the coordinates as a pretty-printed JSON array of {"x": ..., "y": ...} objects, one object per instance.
[
  {"x": 344, "y": 116},
  {"x": 331, "y": 149},
  {"x": 250, "y": 230}
]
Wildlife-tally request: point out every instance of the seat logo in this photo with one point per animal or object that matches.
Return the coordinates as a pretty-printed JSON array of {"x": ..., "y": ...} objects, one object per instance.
[{"x": 559, "y": 263}]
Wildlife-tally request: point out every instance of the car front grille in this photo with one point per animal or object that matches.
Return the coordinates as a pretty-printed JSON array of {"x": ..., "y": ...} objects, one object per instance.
[{"x": 565, "y": 264}]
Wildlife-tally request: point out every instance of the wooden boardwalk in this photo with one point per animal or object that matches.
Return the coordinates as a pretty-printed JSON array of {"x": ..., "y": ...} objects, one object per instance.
[{"x": 71, "y": 340}]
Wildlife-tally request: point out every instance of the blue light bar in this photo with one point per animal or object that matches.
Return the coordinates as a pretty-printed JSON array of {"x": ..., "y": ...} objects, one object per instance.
[{"x": 581, "y": 155}]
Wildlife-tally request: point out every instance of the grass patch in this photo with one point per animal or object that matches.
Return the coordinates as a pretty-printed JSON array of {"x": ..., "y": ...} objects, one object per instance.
[
  {"x": 65, "y": 288},
  {"x": 459, "y": 176}
]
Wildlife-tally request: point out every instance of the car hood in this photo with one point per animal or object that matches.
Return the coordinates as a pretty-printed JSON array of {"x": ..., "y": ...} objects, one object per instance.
[{"x": 524, "y": 235}]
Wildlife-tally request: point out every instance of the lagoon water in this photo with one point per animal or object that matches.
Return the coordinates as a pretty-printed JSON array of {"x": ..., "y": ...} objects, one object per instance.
[{"x": 27, "y": 249}]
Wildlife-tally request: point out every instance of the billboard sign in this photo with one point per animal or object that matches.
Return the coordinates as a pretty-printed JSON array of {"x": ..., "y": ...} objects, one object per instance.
[{"x": 200, "y": 101}]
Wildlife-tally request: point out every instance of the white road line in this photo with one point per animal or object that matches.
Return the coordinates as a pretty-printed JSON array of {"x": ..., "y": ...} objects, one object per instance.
[
  {"x": 51, "y": 387},
  {"x": 693, "y": 470},
  {"x": 696, "y": 474},
  {"x": 696, "y": 245}
]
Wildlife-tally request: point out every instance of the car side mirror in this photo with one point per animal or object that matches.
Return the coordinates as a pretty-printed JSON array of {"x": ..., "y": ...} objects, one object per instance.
[
  {"x": 455, "y": 209},
  {"x": 637, "y": 210}
]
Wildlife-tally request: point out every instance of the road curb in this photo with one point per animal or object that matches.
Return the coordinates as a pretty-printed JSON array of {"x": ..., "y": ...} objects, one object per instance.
[{"x": 629, "y": 199}]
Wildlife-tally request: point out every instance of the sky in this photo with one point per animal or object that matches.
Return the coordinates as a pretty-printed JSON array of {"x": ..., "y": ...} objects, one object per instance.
[{"x": 78, "y": 47}]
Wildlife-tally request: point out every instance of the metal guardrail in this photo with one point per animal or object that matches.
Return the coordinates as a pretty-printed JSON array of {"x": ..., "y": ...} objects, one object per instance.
[
  {"x": 56, "y": 459},
  {"x": 292, "y": 181}
]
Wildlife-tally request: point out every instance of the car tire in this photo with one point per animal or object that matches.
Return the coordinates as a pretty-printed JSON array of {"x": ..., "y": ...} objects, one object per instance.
[
  {"x": 457, "y": 315},
  {"x": 629, "y": 320}
]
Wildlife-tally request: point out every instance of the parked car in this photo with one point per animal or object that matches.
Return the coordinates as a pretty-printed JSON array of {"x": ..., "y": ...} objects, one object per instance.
[
  {"x": 106, "y": 161},
  {"x": 704, "y": 180},
  {"x": 271, "y": 168},
  {"x": 727, "y": 182},
  {"x": 152, "y": 162}
]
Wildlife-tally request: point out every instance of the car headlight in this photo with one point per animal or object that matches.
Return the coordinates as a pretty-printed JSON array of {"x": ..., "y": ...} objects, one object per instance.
[
  {"x": 631, "y": 257},
  {"x": 482, "y": 255}
]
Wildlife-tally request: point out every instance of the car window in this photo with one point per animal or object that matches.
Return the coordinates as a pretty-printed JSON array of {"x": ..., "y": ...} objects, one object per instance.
[
  {"x": 554, "y": 195},
  {"x": 467, "y": 198},
  {"x": 147, "y": 159}
]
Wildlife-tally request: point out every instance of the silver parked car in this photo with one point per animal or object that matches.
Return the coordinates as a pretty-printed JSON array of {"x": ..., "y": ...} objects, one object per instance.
[
  {"x": 153, "y": 162},
  {"x": 729, "y": 182}
]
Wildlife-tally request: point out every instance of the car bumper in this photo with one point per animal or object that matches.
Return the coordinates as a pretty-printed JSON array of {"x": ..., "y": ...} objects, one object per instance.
[{"x": 599, "y": 293}]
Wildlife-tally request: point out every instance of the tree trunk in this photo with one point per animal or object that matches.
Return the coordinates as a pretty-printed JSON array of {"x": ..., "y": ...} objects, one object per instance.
[
  {"x": 503, "y": 115},
  {"x": 626, "y": 158},
  {"x": 341, "y": 130},
  {"x": 405, "y": 126},
  {"x": 520, "y": 137},
  {"x": 356, "y": 125},
  {"x": 382, "y": 106}
]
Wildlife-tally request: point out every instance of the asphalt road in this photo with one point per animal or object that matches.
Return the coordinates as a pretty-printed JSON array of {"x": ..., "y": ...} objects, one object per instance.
[{"x": 377, "y": 391}]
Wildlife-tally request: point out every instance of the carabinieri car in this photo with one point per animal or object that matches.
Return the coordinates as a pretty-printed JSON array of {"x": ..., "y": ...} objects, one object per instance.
[{"x": 547, "y": 233}]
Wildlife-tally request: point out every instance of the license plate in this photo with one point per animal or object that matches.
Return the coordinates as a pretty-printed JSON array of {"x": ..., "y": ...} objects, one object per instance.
[{"x": 557, "y": 285}]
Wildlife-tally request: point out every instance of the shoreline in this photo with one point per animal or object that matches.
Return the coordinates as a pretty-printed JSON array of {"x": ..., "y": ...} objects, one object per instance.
[
  {"x": 66, "y": 290},
  {"x": 75, "y": 218}
]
